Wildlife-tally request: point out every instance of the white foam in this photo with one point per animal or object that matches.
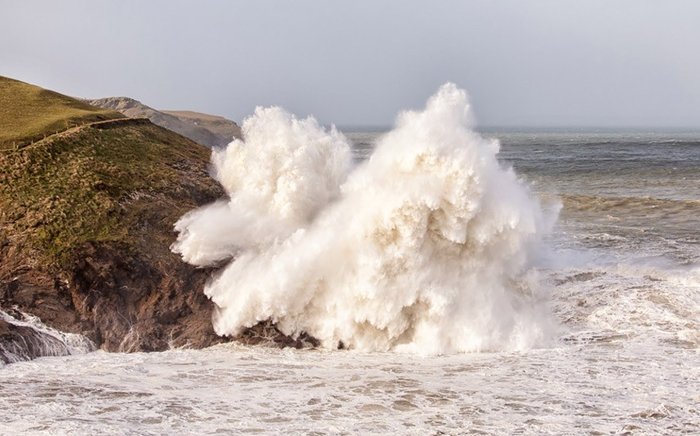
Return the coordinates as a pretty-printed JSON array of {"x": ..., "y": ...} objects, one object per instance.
[
  {"x": 419, "y": 249},
  {"x": 284, "y": 173},
  {"x": 579, "y": 388}
]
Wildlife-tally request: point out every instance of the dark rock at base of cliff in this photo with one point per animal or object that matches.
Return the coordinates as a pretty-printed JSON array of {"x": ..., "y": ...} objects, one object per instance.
[
  {"x": 266, "y": 333},
  {"x": 139, "y": 304},
  {"x": 18, "y": 343},
  {"x": 21, "y": 340}
]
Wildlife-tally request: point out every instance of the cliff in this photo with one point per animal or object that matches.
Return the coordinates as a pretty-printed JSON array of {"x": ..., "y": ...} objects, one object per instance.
[
  {"x": 222, "y": 127},
  {"x": 87, "y": 209},
  {"x": 208, "y": 130}
]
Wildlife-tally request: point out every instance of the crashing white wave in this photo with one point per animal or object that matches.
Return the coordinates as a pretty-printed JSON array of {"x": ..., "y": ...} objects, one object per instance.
[{"x": 421, "y": 248}]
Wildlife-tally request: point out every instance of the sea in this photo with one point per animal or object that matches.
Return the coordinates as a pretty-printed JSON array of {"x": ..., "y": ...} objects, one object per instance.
[{"x": 617, "y": 276}]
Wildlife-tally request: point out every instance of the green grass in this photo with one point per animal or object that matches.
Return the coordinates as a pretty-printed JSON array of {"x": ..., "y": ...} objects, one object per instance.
[
  {"x": 119, "y": 184},
  {"x": 29, "y": 113},
  {"x": 97, "y": 185}
]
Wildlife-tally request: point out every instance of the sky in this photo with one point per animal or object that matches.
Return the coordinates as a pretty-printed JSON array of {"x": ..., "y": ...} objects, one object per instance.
[{"x": 536, "y": 63}]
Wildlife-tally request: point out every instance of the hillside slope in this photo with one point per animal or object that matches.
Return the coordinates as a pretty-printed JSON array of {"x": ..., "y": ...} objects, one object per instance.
[
  {"x": 86, "y": 222},
  {"x": 223, "y": 127},
  {"x": 29, "y": 113},
  {"x": 206, "y": 130}
]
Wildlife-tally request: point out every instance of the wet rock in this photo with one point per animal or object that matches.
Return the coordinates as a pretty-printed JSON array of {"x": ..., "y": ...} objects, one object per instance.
[{"x": 18, "y": 343}]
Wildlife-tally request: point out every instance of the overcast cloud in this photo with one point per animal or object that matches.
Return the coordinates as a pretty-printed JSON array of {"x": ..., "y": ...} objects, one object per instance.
[{"x": 524, "y": 63}]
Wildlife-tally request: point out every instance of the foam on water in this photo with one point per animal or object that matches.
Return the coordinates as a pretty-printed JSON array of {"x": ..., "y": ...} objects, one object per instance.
[
  {"x": 421, "y": 248},
  {"x": 590, "y": 386}
]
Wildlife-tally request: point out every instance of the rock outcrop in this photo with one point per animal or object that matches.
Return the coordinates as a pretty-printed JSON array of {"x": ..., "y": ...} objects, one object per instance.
[
  {"x": 24, "y": 337},
  {"x": 19, "y": 343}
]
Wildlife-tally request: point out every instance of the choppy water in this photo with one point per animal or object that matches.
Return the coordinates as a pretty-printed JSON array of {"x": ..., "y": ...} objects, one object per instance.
[
  {"x": 620, "y": 276},
  {"x": 624, "y": 194}
]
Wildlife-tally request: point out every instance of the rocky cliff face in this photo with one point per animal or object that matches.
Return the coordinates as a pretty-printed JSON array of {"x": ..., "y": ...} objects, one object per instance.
[
  {"x": 86, "y": 221},
  {"x": 207, "y": 130},
  {"x": 86, "y": 225}
]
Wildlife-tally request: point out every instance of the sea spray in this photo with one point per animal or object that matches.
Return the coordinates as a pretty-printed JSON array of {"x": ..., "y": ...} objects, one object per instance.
[
  {"x": 420, "y": 248},
  {"x": 277, "y": 180}
]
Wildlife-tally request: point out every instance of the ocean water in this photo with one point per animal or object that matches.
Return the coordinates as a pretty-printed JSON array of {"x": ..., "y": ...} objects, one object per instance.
[{"x": 583, "y": 306}]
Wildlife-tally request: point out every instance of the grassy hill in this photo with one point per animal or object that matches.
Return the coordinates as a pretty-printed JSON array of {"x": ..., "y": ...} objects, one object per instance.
[
  {"x": 75, "y": 187},
  {"x": 29, "y": 113},
  {"x": 86, "y": 221}
]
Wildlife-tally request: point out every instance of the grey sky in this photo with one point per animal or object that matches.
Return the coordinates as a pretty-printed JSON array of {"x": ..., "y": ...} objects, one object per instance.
[{"x": 523, "y": 62}]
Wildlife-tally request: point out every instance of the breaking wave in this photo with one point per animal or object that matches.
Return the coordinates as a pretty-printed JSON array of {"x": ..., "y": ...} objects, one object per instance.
[{"x": 424, "y": 247}]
